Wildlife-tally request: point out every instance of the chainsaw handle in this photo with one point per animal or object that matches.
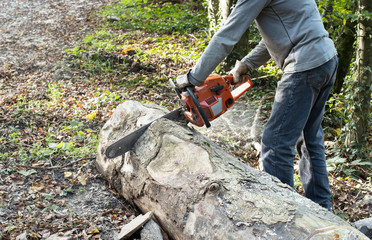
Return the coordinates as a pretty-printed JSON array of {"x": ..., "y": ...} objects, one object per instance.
[
  {"x": 237, "y": 92},
  {"x": 175, "y": 88},
  {"x": 197, "y": 104},
  {"x": 243, "y": 87}
]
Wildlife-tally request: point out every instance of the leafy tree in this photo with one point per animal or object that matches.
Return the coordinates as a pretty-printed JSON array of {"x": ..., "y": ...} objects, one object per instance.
[
  {"x": 340, "y": 20},
  {"x": 218, "y": 12},
  {"x": 361, "y": 84}
]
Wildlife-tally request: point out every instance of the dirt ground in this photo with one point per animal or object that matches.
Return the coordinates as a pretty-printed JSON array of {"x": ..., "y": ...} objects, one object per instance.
[{"x": 33, "y": 37}]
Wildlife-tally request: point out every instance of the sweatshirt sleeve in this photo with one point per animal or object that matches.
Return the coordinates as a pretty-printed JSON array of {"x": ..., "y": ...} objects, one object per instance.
[
  {"x": 225, "y": 38},
  {"x": 257, "y": 57}
]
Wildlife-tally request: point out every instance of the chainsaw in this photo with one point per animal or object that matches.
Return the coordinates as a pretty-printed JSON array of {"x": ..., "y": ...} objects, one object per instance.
[{"x": 202, "y": 104}]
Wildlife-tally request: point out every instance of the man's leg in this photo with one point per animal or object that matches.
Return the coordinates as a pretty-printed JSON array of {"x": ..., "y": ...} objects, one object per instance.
[
  {"x": 290, "y": 111},
  {"x": 293, "y": 110},
  {"x": 313, "y": 174},
  {"x": 313, "y": 168}
]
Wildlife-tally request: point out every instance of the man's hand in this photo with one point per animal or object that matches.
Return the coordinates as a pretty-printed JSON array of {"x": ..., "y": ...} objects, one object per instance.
[
  {"x": 182, "y": 82},
  {"x": 239, "y": 71}
]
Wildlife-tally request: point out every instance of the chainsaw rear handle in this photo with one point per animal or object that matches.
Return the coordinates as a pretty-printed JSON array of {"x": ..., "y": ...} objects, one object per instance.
[{"x": 243, "y": 87}]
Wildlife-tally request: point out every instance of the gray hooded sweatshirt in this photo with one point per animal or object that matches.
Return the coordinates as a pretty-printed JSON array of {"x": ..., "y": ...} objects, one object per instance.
[{"x": 292, "y": 33}]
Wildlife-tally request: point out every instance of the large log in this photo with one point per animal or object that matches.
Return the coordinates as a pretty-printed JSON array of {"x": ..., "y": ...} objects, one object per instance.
[{"x": 196, "y": 190}]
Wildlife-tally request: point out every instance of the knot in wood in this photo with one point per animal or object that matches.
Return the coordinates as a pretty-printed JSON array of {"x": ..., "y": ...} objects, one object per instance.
[{"x": 213, "y": 187}]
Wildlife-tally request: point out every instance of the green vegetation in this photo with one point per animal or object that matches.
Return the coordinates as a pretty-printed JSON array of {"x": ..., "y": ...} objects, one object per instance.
[
  {"x": 152, "y": 17},
  {"x": 137, "y": 31},
  {"x": 340, "y": 18},
  {"x": 122, "y": 58}
]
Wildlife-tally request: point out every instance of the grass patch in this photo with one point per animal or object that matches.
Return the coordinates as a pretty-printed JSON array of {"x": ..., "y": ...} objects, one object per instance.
[
  {"x": 134, "y": 33},
  {"x": 164, "y": 18}
]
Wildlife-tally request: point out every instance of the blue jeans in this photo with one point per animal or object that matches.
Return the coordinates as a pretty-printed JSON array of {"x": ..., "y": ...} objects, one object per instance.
[{"x": 295, "y": 120}]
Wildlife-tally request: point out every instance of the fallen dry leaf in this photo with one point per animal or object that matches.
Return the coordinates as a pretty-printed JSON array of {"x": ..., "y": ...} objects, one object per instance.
[
  {"x": 37, "y": 186},
  {"x": 82, "y": 179},
  {"x": 68, "y": 174}
]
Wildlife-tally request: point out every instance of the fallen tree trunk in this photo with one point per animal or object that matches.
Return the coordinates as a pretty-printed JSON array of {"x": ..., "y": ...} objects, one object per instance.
[{"x": 197, "y": 190}]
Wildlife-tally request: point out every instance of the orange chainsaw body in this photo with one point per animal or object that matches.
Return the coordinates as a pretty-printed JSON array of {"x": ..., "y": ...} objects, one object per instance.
[{"x": 214, "y": 96}]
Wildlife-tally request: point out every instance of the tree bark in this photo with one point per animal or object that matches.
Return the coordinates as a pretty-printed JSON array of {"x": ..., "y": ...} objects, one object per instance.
[
  {"x": 344, "y": 44},
  {"x": 346, "y": 51},
  {"x": 196, "y": 190},
  {"x": 213, "y": 16},
  {"x": 218, "y": 12},
  {"x": 361, "y": 84}
]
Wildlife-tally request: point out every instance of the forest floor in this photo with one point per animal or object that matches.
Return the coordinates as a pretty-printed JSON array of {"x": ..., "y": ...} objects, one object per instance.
[{"x": 55, "y": 95}]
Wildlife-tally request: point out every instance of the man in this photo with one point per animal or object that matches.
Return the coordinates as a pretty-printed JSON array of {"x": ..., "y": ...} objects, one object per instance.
[{"x": 293, "y": 36}]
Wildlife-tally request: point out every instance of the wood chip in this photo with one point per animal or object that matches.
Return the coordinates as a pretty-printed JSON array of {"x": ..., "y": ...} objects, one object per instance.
[{"x": 134, "y": 225}]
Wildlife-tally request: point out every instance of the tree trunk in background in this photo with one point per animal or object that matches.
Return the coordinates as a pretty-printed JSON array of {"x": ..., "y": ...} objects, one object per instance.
[
  {"x": 344, "y": 45},
  {"x": 225, "y": 8},
  {"x": 361, "y": 85},
  {"x": 218, "y": 12},
  {"x": 213, "y": 16},
  {"x": 327, "y": 9},
  {"x": 345, "y": 50}
]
